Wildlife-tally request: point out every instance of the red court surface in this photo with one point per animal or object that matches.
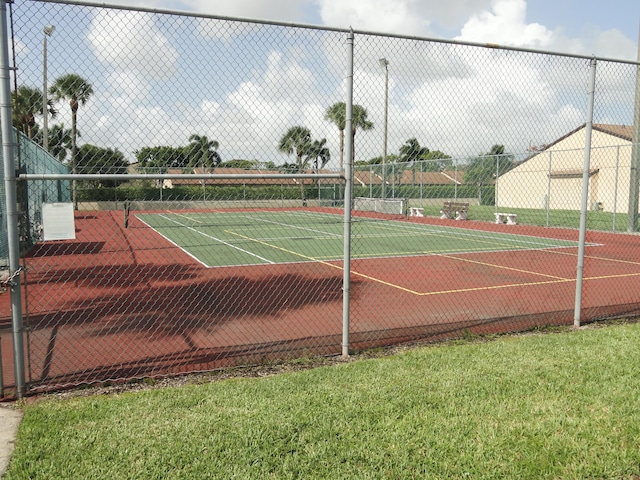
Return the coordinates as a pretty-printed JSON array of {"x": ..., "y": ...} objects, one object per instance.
[{"x": 118, "y": 303}]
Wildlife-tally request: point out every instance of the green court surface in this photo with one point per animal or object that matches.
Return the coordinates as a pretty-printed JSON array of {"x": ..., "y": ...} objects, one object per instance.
[{"x": 219, "y": 239}]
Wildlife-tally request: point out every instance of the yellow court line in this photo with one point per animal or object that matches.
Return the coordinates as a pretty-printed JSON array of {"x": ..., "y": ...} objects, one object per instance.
[
  {"x": 492, "y": 242},
  {"x": 614, "y": 260},
  {"x": 502, "y": 267},
  {"x": 496, "y": 287},
  {"x": 555, "y": 280},
  {"x": 528, "y": 284},
  {"x": 261, "y": 242},
  {"x": 404, "y": 289},
  {"x": 398, "y": 287},
  {"x": 373, "y": 279},
  {"x": 619, "y": 275},
  {"x": 183, "y": 215}
]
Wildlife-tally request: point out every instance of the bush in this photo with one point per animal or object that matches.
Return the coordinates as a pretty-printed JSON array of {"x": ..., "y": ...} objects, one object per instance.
[{"x": 146, "y": 192}]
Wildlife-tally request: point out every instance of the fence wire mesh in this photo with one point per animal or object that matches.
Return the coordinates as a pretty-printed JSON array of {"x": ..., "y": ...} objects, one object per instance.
[{"x": 468, "y": 167}]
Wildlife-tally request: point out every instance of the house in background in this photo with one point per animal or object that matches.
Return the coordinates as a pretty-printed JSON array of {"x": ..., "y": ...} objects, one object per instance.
[
  {"x": 370, "y": 176},
  {"x": 170, "y": 183},
  {"x": 552, "y": 178}
]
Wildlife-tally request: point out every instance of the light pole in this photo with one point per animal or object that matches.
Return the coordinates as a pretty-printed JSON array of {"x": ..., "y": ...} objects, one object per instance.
[
  {"x": 384, "y": 63},
  {"x": 48, "y": 31}
]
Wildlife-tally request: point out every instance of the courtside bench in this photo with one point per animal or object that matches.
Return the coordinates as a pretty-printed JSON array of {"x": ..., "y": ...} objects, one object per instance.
[
  {"x": 508, "y": 218},
  {"x": 455, "y": 210},
  {"x": 416, "y": 212}
]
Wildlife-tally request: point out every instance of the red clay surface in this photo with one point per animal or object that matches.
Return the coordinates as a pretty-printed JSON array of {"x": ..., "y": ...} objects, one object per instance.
[{"x": 122, "y": 303}]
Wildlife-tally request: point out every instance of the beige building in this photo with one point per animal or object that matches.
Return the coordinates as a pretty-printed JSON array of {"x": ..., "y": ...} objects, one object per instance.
[{"x": 552, "y": 177}]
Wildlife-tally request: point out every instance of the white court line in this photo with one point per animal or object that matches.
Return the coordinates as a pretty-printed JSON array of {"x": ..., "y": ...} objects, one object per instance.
[
  {"x": 293, "y": 226},
  {"x": 218, "y": 240},
  {"x": 516, "y": 238}
]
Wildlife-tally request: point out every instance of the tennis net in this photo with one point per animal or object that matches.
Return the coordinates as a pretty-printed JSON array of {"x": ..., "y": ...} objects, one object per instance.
[{"x": 396, "y": 206}]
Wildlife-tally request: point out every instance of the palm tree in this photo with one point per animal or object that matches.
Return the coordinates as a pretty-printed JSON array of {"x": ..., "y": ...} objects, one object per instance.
[
  {"x": 337, "y": 113},
  {"x": 202, "y": 151},
  {"x": 59, "y": 141},
  {"x": 319, "y": 153},
  {"x": 411, "y": 152},
  {"x": 77, "y": 91},
  {"x": 297, "y": 140},
  {"x": 360, "y": 121},
  {"x": 487, "y": 167},
  {"x": 26, "y": 104}
]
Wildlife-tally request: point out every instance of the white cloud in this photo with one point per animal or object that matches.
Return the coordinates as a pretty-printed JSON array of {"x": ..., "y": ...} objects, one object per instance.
[
  {"x": 593, "y": 41},
  {"x": 397, "y": 16},
  {"x": 280, "y": 10},
  {"x": 135, "y": 44},
  {"x": 506, "y": 24},
  {"x": 283, "y": 10}
]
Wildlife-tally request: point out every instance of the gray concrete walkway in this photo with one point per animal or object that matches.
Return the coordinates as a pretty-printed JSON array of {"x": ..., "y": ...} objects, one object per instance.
[{"x": 9, "y": 421}]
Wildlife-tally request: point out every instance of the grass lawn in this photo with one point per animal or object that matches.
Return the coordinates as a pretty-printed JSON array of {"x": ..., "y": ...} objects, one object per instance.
[
  {"x": 596, "y": 220},
  {"x": 562, "y": 405}
]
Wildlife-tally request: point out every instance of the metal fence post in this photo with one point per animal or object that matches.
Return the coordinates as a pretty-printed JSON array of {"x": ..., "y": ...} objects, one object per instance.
[
  {"x": 615, "y": 189},
  {"x": 1, "y": 372},
  {"x": 348, "y": 193},
  {"x": 495, "y": 192},
  {"x": 11, "y": 199},
  {"x": 634, "y": 176},
  {"x": 548, "y": 202},
  {"x": 585, "y": 191}
]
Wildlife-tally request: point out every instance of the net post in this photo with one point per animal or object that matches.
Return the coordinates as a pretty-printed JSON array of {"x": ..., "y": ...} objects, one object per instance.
[{"x": 127, "y": 210}]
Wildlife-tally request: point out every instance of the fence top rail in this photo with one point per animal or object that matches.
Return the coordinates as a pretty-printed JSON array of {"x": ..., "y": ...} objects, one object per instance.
[
  {"x": 344, "y": 30},
  {"x": 173, "y": 176}
]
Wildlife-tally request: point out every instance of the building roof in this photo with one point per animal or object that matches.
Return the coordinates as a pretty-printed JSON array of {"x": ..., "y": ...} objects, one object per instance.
[
  {"x": 621, "y": 131},
  {"x": 572, "y": 173},
  {"x": 241, "y": 181},
  {"x": 430, "y": 178},
  {"x": 625, "y": 132},
  {"x": 409, "y": 177}
]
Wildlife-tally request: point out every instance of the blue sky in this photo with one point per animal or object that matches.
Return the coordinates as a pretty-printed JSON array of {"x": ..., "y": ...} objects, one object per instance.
[{"x": 245, "y": 95}]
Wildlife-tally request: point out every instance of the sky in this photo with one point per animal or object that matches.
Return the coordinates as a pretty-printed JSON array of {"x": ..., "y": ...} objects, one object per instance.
[
  {"x": 153, "y": 83},
  {"x": 588, "y": 27}
]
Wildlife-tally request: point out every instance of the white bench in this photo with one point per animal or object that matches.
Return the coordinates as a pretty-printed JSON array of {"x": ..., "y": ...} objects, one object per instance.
[
  {"x": 509, "y": 218},
  {"x": 416, "y": 212}
]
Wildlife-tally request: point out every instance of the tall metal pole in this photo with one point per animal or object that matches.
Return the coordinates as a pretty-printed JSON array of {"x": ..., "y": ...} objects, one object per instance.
[
  {"x": 13, "y": 238},
  {"x": 348, "y": 189},
  {"x": 634, "y": 175},
  {"x": 548, "y": 205},
  {"x": 48, "y": 31},
  {"x": 585, "y": 191},
  {"x": 385, "y": 64}
]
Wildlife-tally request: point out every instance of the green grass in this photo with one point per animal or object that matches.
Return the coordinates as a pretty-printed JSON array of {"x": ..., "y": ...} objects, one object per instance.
[
  {"x": 561, "y": 405},
  {"x": 596, "y": 220}
]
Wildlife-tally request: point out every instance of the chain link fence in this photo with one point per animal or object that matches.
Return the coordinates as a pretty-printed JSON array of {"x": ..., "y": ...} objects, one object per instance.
[{"x": 191, "y": 211}]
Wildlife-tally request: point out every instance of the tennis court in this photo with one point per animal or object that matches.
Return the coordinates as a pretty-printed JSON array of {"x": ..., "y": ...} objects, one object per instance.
[
  {"x": 196, "y": 290},
  {"x": 219, "y": 239}
]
